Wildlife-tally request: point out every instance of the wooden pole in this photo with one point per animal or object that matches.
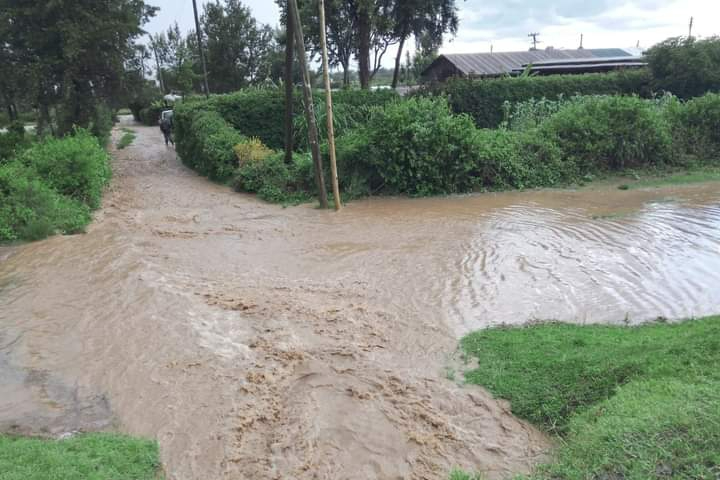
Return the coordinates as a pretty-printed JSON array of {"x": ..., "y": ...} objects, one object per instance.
[
  {"x": 309, "y": 106},
  {"x": 329, "y": 107},
  {"x": 200, "y": 48},
  {"x": 289, "y": 87}
]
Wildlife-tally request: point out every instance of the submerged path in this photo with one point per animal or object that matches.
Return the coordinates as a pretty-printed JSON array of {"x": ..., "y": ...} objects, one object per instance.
[{"x": 259, "y": 342}]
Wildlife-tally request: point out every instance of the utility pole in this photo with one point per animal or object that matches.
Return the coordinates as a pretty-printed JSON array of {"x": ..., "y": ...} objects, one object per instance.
[
  {"x": 157, "y": 63},
  {"x": 309, "y": 106},
  {"x": 690, "y": 28},
  {"x": 200, "y": 48},
  {"x": 329, "y": 108},
  {"x": 535, "y": 41},
  {"x": 289, "y": 87},
  {"x": 581, "y": 42}
]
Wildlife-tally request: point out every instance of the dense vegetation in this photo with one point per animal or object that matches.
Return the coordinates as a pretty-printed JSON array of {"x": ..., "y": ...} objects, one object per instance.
[
  {"x": 483, "y": 99},
  {"x": 97, "y": 456},
  {"x": 51, "y": 186},
  {"x": 418, "y": 146},
  {"x": 629, "y": 402}
]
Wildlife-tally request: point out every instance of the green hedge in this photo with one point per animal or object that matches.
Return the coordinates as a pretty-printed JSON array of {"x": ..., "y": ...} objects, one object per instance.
[
  {"x": 51, "y": 187},
  {"x": 484, "y": 99},
  {"x": 205, "y": 141},
  {"x": 696, "y": 127}
]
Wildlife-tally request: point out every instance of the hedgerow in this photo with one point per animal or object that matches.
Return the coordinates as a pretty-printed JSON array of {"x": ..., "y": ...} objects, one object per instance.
[{"x": 484, "y": 99}]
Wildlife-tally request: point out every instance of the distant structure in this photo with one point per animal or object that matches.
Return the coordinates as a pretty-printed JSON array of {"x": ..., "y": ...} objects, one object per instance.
[
  {"x": 535, "y": 41},
  {"x": 497, "y": 64}
]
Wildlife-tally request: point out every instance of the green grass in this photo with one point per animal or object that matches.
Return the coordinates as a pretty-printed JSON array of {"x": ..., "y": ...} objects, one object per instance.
[
  {"x": 628, "y": 403},
  {"x": 126, "y": 139},
  {"x": 98, "y": 456}
]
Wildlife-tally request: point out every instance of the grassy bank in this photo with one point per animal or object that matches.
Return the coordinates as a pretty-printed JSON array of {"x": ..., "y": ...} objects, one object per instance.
[
  {"x": 97, "y": 456},
  {"x": 627, "y": 402}
]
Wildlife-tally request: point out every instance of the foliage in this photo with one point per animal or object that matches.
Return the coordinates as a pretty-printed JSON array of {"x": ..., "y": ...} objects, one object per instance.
[
  {"x": 696, "y": 127},
  {"x": 610, "y": 133},
  {"x": 13, "y": 141},
  {"x": 150, "y": 115},
  {"x": 252, "y": 150},
  {"x": 274, "y": 180},
  {"x": 97, "y": 456},
  {"x": 72, "y": 55},
  {"x": 631, "y": 402},
  {"x": 30, "y": 209},
  {"x": 205, "y": 141},
  {"x": 256, "y": 112},
  {"x": 685, "y": 66},
  {"x": 74, "y": 166},
  {"x": 484, "y": 99},
  {"x": 418, "y": 147}
]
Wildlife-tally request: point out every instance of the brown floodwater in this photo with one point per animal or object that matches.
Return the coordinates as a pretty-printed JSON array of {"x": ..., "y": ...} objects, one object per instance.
[{"x": 255, "y": 341}]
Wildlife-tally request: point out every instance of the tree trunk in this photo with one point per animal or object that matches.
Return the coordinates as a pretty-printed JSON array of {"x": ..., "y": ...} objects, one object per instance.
[
  {"x": 309, "y": 105},
  {"x": 289, "y": 100},
  {"x": 398, "y": 58},
  {"x": 364, "y": 46},
  {"x": 346, "y": 74}
]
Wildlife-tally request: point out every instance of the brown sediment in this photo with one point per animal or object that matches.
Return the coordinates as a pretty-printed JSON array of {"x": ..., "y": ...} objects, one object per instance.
[{"x": 255, "y": 341}]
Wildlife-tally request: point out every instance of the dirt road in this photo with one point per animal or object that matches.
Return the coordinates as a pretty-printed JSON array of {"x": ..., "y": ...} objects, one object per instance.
[{"x": 259, "y": 342}]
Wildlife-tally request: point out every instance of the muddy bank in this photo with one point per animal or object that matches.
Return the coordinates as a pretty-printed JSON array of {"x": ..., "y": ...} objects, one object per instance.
[{"x": 259, "y": 342}]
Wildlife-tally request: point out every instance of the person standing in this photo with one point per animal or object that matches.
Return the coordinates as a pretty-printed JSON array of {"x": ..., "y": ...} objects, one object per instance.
[{"x": 166, "y": 125}]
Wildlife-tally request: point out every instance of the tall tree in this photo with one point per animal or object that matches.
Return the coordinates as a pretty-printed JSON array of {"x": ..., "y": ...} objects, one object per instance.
[
  {"x": 78, "y": 49},
  {"x": 427, "y": 20}
]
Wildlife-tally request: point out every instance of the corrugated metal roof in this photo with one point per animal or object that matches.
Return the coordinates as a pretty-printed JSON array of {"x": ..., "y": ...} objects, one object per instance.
[{"x": 500, "y": 63}]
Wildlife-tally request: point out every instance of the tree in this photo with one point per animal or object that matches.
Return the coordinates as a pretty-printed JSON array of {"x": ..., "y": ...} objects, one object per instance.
[
  {"x": 237, "y": 46},
  {"x": 686, "y": 67},
  {"x": 426, "y": 20},
  {"x": 77, "y": 50}
]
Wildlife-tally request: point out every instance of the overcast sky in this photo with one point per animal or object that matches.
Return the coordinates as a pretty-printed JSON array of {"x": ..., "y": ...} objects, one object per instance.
[{"x": 506, "y": 23}]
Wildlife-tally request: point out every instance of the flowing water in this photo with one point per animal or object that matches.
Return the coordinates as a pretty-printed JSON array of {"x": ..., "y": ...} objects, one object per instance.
[{"x": 255, "y": 341}]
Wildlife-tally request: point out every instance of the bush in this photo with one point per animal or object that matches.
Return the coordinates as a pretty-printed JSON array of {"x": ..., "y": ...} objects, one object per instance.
[
  {"x": 101, "y": 123},
  {"x": 205, "y": 141},
  {"x": 686, "y": 67},
  {"x": 75, "y": 166},
  {"x": 150, "y": 115},
  {"x": 274, "y": 180},
  {"x": 31, "y": 210},
  {"x": 696, "y": 127},
  {"x": 419, "y": 147},
  {"x": 484, "y": 99},
  {"x": 252, "y": 150},
  {"x": 13, "y": 142},
  {"x": 610, "y": 133},
  {"x": 256, "y": 113}
]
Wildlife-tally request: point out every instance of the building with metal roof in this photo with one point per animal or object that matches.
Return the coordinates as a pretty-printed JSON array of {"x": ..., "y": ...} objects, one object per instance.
[
  {"x": 508, "y": 63},
  {"x": 582, "y": 65}
]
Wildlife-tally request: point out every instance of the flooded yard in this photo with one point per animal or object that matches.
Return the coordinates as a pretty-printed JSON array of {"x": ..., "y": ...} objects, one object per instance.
[{"x": 255, "y": 341}]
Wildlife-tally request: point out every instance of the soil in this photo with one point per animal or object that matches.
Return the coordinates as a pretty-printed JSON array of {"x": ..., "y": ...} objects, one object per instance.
[{"x": 255, "y": 341}]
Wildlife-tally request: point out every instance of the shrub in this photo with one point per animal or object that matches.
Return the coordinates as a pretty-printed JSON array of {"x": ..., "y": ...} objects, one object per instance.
[
  {"x": 274, "y": 180},
  {"x": 13, "y": 142},
  {"x": 610, "y": 133},
  {"x": 256, "y": 113},
  {"x": 205, "y": 141},
  {"x": 150, "y": 115},
  {"x": 419, "y": 147},
  {"x": 696, "y": 127},
  {"x": 345, "y": 118},
  {"x": 686, "y": 67},
  {"x": 484, "y": 99},
  {"x": 252, "y": 150},
  {"x": 31, "y": 210},
  {"x": 101, "y": 123},
  {"x": 75, "y": 166}
]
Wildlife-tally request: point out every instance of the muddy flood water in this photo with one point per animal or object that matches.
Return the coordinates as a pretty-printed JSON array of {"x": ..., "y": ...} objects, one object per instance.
[{"x": 255, "y": 341}]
